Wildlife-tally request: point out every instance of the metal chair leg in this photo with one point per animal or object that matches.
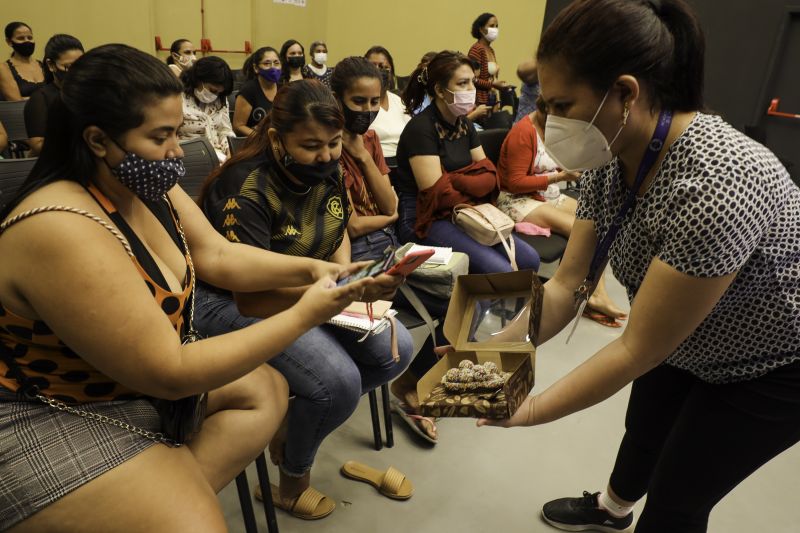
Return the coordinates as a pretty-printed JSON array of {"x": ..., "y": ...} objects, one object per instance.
[
  {"x": 376, "y": 424},
  {"x": 266, "y": 493},
  {"x": 387, "y": 416},
  {"x": 246, "y": 503}
]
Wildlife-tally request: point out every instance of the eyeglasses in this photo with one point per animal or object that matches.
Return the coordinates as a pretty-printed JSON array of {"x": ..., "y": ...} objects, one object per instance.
[{"x": 268, "y": 64}]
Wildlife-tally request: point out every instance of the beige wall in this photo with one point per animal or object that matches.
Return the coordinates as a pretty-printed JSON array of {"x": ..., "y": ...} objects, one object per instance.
[{"x": 407, "y": 28}]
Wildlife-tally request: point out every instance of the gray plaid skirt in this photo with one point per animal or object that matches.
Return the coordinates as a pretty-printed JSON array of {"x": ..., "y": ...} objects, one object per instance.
[{"x": 45, "y": 454}]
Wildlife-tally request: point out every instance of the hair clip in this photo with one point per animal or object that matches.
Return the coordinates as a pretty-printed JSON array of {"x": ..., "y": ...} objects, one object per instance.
[{"x": 423, "y": 76}]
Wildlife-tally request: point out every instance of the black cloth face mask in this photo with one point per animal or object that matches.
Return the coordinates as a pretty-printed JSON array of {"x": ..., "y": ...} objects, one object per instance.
[
  {"x": 296, "y": 61},
  {"x": 24, "y": 49},
  {"x": 358, "y": 121}
]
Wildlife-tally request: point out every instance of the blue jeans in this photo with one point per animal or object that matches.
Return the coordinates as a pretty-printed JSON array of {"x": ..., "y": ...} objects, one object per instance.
[
  {"x": 372, "y": 245},
  {"x": 482, "y": 259},
  {"x": 327, "y": 369}
]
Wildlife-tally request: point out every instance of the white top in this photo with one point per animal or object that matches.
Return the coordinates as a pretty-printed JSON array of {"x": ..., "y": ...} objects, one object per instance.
[
  {"x": 390, "y": 124},
  {"x": 211, "y": 121},
  {"x": 318, "y": 71}
]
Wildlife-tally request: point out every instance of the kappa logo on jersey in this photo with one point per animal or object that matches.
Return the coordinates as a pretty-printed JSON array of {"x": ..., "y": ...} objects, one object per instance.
[
  {"x": 231, "y": 204},
  {"x": 231, "y": 236},
  {"x": 229, "y": 221},
  {"x": 291, "y": 231},
  {"x": 335, "y": 207}
]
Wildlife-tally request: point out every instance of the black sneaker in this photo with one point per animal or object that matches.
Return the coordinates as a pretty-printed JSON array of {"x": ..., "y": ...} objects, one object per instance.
[{"x": 583, "y": 514}]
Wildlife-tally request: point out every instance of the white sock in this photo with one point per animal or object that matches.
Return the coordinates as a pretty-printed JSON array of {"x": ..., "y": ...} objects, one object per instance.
[{"x": 614, "y": 509}]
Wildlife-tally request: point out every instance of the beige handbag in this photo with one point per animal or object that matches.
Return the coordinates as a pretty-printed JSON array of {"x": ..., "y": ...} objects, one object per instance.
[{"x": 487, "y": 225}]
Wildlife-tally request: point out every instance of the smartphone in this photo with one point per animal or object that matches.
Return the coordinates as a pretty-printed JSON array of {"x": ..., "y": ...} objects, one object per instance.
[
  {"x": 410, "y": 262},
  {"x": 373, "y": 269}
]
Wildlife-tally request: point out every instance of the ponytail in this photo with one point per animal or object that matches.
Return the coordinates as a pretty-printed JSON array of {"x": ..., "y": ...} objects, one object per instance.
[
  {"x": 660, "y": 42},
  {"x": 685, "y": 92}
]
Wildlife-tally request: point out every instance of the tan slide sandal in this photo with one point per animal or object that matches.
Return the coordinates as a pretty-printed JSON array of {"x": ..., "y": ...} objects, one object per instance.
[
  {"x": 392, "y": 483},
  {"x": 310, "y": 505}
]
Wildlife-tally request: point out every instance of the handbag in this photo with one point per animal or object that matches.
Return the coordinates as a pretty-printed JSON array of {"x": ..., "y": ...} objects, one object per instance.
[
  {"x": 436, "y": 280},
  {"x": 182, "y": 419},
  {"x": 487, "y": 225}
]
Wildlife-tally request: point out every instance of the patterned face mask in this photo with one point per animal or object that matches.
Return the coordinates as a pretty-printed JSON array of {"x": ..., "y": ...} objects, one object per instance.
[{"x": 149, "y": 180}]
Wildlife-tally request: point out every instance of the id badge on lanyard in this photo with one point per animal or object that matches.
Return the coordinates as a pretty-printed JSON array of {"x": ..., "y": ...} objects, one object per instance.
[{"x": 600, "y": 257}]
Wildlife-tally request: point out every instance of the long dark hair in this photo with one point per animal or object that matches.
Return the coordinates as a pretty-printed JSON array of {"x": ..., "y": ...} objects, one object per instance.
[
  {"x": 108, "y": 87},
  {"x": 254, "y": 59},
  {"x": 210, "y": 69},
  {"x": 660, "y": 42},
  {"x": 175, "y": 49},
  {"x": 350, "y": 69},
  {"x": 377, "y": 49},
  {"x": 295, "y": 103},
  {"x": 285, "y": 70},
  {"x": 427, "y": 76}
]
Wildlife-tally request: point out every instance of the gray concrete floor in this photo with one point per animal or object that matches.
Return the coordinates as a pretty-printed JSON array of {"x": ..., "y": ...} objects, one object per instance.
[{"x": 496, "y": 480}]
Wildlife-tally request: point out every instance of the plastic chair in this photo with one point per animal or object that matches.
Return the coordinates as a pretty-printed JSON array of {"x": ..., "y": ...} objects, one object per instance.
[
  {"x": 243, "y": 489},
  {"x": 12, "y": 116},
  {"x": 199, "y": 159},
  {"x": 235, "y": 143},
  {"x": 13, "y": 172},
  {"x": 492, "y": 141}
]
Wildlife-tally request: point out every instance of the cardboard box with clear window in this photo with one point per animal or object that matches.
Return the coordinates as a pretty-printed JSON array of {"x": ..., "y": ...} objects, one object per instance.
[{"x": 481, "y": 310}]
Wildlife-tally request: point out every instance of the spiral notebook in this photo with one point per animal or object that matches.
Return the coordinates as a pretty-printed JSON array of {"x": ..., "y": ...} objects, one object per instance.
[{"x": 362, "y": 324}]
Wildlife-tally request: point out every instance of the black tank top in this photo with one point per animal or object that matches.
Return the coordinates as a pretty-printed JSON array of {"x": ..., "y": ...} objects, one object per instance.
[{"x": 26, "y": 87}]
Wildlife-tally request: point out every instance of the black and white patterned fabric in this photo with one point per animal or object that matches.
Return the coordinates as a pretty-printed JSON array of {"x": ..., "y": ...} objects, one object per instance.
[
  {"x": 720, "y": 203},
  {"x": 46, "y": 454}
]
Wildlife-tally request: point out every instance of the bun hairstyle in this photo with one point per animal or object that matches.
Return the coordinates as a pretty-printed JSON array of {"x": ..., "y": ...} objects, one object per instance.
[
  {"x": 427, "y": 76},
  {"x": 479, "y": 23},
  {"x": 175, "y": 49},
  {"x": 660, "y": 42},
  {"x": 295, "y": 103}
]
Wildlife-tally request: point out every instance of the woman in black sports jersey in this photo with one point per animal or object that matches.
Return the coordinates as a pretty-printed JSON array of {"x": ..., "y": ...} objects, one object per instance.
[{"x": 285, "y": 192}]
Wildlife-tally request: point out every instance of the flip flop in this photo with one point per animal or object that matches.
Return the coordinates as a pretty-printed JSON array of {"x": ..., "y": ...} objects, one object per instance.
[
  {"x": 310, "y": 505},
  {"x": 400, "y": 409},
  {"x": 392, "y": 483},
  {"x": 601, "y": 318}
]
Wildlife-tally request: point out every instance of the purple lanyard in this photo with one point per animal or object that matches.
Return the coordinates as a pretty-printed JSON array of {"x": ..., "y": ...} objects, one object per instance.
[{"x": 649, "y": 159}]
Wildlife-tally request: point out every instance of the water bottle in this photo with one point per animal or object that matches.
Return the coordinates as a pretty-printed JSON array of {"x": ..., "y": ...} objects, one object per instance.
[{"x": 552, "y": 193}]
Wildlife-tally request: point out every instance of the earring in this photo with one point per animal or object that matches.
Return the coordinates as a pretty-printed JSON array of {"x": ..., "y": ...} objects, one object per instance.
[{"x": 625, "y": 113}]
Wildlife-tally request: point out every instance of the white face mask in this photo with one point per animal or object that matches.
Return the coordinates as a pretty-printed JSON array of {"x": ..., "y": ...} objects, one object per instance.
[
  {"x": 205, "y": 96},
  {"x": 463, "y": 102},
  {"x": 320, "y": 58},
  {"x": 576, "y": 144},
  {"x": 186, "y": 61},
  {"x": 492, "y": 33}
]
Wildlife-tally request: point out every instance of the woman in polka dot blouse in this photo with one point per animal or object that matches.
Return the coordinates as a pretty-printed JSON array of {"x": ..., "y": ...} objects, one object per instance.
[{"x": 709, "y": 255}]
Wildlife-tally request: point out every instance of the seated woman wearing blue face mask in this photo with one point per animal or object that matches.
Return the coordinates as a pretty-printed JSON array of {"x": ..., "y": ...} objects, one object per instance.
[
  {"x": 699, "y": 223},
  {"x": 262, "y": 70},
  {"x": 101, "y": 251},
  {"x": 440, "y": 163},
  {"x": 207, "y": 85},
  {"x": 285, "y": 192}
]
